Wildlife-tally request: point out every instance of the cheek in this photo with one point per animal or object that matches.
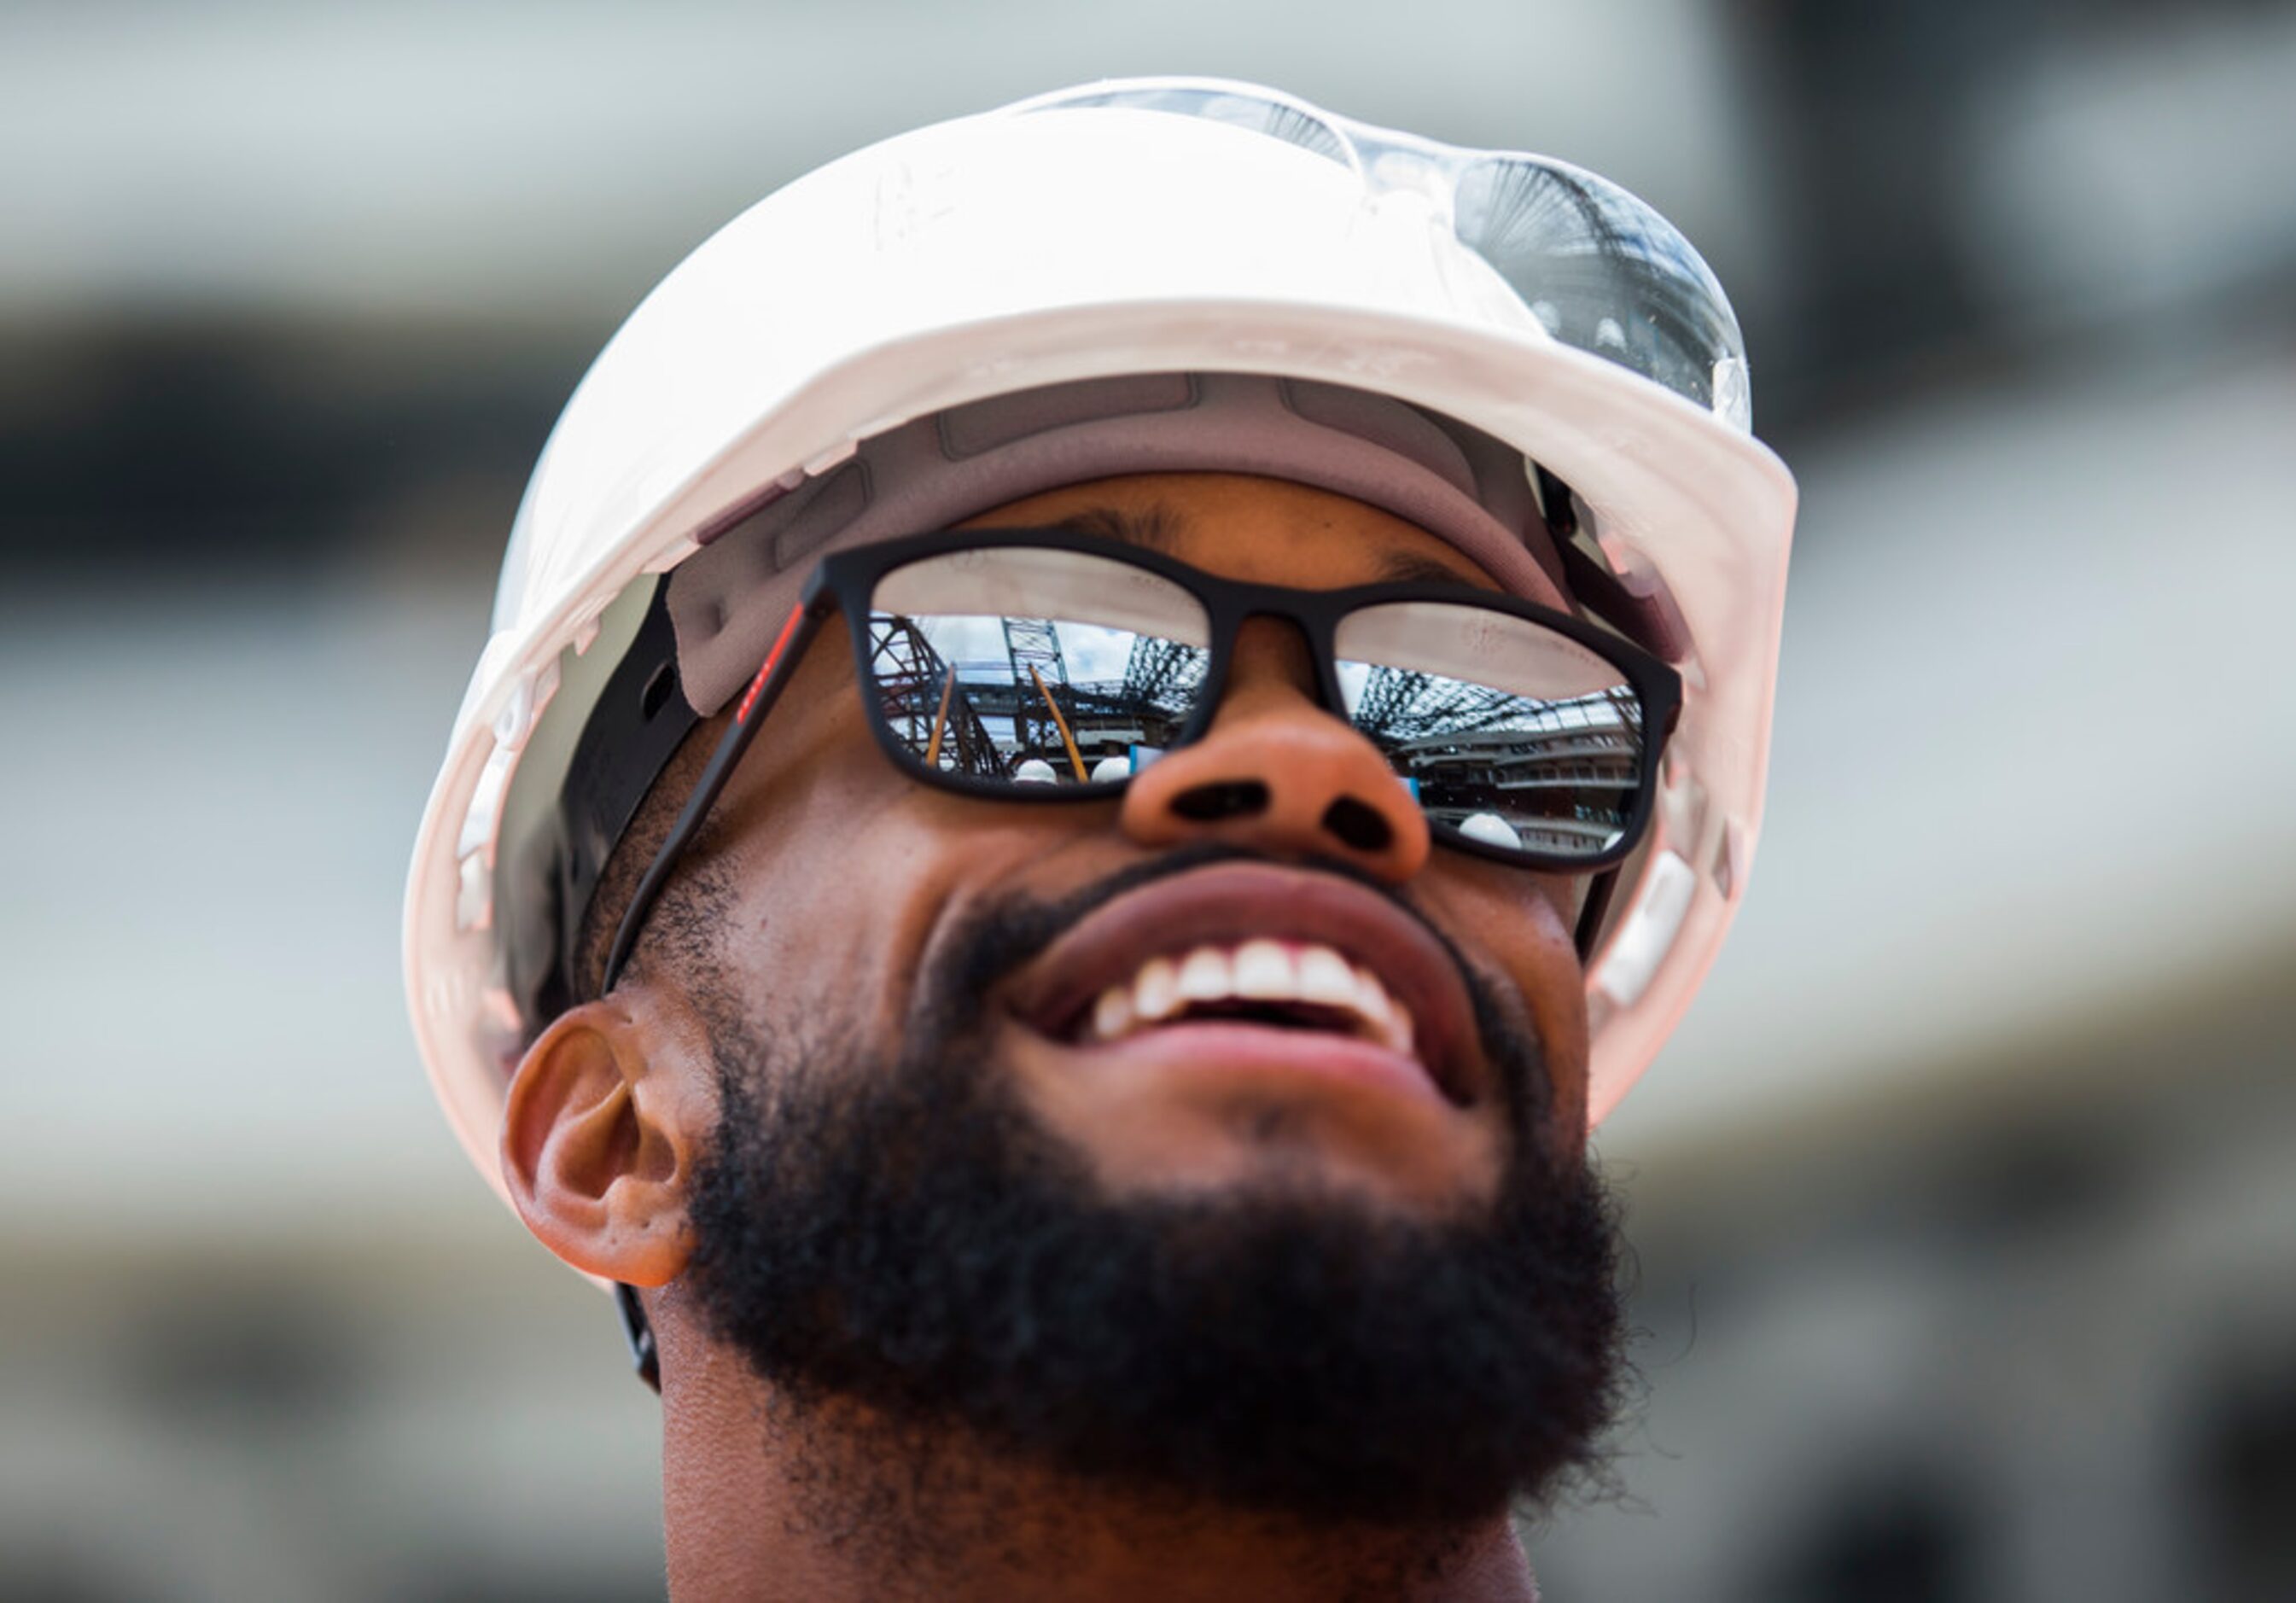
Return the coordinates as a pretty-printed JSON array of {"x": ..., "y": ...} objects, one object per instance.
[
  {"x": 1522, "y": 924},
  {"x": 834, "y": 873},
  {"x": 848, "y": 870}
]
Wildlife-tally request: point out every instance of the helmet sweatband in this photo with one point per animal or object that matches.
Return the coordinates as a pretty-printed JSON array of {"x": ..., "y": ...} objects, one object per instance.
[{"x": 727, "y": 600}]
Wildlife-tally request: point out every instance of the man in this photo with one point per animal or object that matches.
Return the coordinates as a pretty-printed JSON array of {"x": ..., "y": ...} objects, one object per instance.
[{"x": 1111, "y": 728}]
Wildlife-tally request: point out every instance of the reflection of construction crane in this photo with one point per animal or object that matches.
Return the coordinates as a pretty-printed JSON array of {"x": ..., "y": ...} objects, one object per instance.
[
  {"x": 1036, "y": 652},
  {"x": 918, "y": 693},
  {"x": 986, "y": 715}
]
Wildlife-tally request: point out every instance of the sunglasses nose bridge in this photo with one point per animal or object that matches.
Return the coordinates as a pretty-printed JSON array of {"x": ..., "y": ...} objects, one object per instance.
[
  {"x": 1274, "y": 647},
  {"x": 1279, "y": 769}
]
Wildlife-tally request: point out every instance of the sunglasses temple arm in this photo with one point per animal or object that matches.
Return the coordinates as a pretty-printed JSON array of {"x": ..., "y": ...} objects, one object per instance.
[
  {"x": 803, "y": 623},
  {"x": 1600, "y": 888}
]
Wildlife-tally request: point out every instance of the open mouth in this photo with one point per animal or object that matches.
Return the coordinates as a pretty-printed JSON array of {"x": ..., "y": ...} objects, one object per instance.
[
  {"x": 1284, "y": 985},
  {"x": 1279, "y": 967}
]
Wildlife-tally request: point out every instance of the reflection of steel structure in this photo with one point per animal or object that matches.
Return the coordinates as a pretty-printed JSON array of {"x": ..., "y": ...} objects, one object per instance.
[
  {"x": 1023, "y": 704},
  {"x": 986, "y": 716},
  {"x": 1391, "y": 697},
  {"x": 1038, "y": 672},
  {"x": 1146, "y": 706},
  {"x": 1161, "y": 673},
  {"x": 1400, "y": 706},
  {"x": 1104, "y": 719},
  {"x": 932, "y": 715},
  {"x": 1562, "y": 773}
]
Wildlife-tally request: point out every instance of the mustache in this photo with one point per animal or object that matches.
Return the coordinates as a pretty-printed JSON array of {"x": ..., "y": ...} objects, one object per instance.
[{"x": 1001, "y": 935}]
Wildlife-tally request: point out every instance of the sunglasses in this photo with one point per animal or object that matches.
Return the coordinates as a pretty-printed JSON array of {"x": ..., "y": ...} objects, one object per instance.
[{"x": 1043, "y": 665}]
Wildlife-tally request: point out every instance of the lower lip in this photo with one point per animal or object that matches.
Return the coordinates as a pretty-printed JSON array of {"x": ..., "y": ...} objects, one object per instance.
[{"x": 1222, "y": 1047}]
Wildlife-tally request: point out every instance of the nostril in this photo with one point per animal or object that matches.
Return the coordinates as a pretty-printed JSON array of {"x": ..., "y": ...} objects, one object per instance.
[
  {"x": 1227, "y": 799},
  {"x": 1358, "y": 824}
]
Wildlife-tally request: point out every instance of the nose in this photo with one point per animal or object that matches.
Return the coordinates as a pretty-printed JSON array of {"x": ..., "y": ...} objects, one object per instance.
[{"x": 1278, "y": 773}]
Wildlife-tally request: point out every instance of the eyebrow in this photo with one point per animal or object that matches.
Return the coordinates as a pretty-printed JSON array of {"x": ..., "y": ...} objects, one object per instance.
[
  {"x": 1159, "y": 528},
  {"x": 1397, "y": 567}
]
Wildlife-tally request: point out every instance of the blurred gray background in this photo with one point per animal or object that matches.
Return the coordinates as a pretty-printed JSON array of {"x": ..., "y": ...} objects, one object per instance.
[{"x": 1965, "y": 1201}]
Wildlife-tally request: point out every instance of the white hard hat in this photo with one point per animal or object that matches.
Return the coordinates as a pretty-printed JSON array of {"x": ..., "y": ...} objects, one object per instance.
[{"x": 1141, "y": 227}]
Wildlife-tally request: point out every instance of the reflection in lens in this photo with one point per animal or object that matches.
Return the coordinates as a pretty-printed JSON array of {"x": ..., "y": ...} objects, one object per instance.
[
  {"x": 1034, "y": 667},
  {"x": 1491, "y": 830},
  {"x": 1505, "y": 728}
]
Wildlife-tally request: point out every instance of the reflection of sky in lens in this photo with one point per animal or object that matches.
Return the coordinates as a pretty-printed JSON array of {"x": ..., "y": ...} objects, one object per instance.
[
  {"x": 1094, "y": 652},
  {"x": 965, "y": 641}
]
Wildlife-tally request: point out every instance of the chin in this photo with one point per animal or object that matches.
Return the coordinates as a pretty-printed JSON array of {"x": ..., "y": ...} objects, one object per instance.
[{"x": 1212, "y": 1127}]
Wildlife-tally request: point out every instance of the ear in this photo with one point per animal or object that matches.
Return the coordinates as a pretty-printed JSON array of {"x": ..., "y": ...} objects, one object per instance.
[{"x": 597, "y": 1143}]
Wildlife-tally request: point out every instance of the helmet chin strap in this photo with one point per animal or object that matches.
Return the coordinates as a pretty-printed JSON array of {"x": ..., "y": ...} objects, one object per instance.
[{"x": 644, "y": 1356}]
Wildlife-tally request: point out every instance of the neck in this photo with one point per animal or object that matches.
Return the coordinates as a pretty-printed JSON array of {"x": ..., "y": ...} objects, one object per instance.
[{"x": 761, "y": 1500}]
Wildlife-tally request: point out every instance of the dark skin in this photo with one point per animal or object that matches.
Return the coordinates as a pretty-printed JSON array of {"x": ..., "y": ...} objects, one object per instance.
[{"x": 847, "y": 874}]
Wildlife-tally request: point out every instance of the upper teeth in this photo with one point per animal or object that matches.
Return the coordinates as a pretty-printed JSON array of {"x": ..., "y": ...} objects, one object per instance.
[{"x": 1258, "y": 971}]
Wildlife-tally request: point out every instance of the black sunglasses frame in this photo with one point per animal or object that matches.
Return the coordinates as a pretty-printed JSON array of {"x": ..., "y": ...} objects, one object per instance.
[{"x": 846, "y": 582}]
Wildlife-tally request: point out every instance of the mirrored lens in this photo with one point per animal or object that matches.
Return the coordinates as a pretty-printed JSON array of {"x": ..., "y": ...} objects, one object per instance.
[
  {"x": 1509, "y": 733},
  {"x": 1035, "y": 667}
]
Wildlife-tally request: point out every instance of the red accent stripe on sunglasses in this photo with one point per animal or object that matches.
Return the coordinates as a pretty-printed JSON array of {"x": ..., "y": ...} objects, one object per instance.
[{"x": 750, "y": 699}]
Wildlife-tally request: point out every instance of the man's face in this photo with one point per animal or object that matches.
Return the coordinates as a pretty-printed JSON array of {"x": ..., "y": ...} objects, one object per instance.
[
  {"x": 853, "y": 877},
  {"x": 1333, "y": 1196}
]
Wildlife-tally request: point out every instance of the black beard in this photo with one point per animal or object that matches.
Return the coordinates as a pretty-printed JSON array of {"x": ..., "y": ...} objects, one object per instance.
[{"x": 906, "y": 1236}]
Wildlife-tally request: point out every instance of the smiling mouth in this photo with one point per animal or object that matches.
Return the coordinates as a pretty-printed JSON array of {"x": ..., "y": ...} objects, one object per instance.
[
  {"x": 1280, "y": 984},
  {"x": 1266, "y": 969}
]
